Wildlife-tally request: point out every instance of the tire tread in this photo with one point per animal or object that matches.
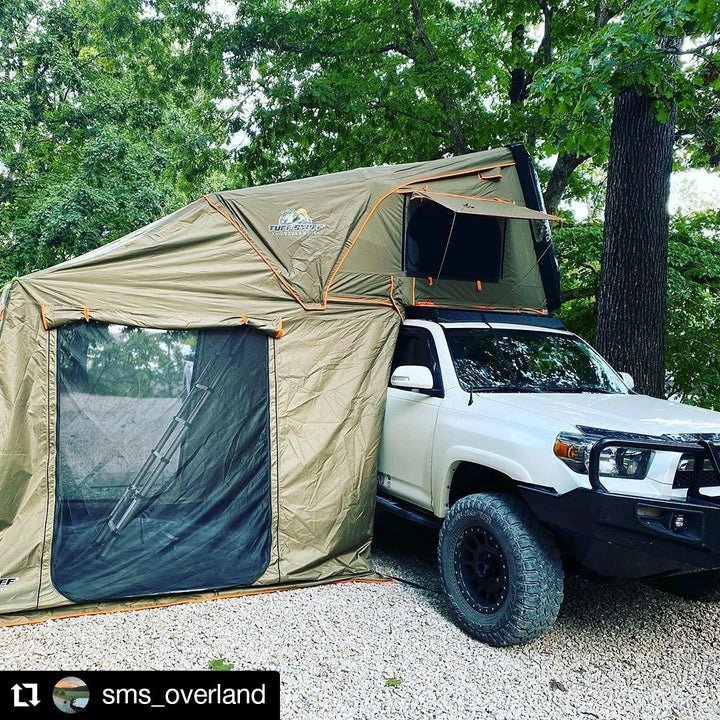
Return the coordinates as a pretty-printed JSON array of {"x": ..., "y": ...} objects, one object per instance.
[{"x": 537, "y": 592}]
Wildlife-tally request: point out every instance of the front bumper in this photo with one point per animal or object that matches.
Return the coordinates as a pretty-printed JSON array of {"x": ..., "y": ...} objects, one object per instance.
[{"x": 631, "y": 536}]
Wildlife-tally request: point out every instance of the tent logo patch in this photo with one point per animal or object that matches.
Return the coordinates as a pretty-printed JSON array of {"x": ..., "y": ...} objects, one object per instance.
[
  {"x": 5, "y": 582},
  {"x": 294, "y": 222}
]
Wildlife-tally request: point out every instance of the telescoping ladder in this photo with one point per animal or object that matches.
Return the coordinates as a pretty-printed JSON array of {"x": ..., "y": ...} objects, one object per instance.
[{"x": 148, "y": 484}]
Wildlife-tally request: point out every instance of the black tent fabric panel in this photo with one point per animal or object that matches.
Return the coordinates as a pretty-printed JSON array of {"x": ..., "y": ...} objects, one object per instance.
[
  {"x": 163, "y": 469},
  {"x": 454, "y": 246},
  {"x": 544, "y": 249}
]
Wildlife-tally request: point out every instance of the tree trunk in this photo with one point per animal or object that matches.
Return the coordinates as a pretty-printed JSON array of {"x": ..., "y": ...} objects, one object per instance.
[{"x": 633, "y": 283}]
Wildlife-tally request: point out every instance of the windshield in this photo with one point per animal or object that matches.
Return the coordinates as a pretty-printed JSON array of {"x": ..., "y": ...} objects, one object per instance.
[{"x": 528, "y": 361}]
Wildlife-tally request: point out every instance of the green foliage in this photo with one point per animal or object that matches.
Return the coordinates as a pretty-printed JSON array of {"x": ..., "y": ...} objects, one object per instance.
[
  {"x": 221, "y": 664},
  {"x": 579, "y": 248},
  {"x": 329, "y": 85},
  {"x": 393, "y": 682},
  {"x": 335, "y": 85},
  {"x": 663, "y": 50},
  {"x": 693, "y": 328},
  {"x": 693, "y": 322},
  {"x": 107, "y": 122}
]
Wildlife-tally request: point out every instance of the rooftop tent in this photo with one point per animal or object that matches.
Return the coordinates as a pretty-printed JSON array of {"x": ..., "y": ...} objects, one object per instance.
[{"x": 198, "y": 405}]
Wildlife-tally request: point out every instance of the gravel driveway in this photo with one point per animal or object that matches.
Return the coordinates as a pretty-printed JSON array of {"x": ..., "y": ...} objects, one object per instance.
[{"x": 618, "y": 651}]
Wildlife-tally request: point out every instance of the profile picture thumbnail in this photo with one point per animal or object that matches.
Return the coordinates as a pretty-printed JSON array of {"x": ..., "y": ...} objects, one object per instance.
[{"x": 71, "y": 694}]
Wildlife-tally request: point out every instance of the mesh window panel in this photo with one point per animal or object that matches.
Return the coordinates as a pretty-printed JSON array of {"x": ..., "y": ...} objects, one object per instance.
[
  {"x": 439, "y": 243},
  {"x": 163, "y": 461}
]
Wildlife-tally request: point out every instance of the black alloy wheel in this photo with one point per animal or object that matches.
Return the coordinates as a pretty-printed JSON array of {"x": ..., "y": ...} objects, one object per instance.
[{"x": 482, "y": 570}]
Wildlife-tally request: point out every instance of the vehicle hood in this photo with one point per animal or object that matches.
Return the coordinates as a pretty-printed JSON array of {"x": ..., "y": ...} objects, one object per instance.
[{"x": 625, "y": 413}]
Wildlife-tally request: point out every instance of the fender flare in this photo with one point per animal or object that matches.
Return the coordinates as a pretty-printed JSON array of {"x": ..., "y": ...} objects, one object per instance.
[{"x": 453, "y": 456}]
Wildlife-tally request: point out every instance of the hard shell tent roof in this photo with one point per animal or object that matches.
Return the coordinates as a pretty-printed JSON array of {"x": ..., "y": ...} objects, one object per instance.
[{"x": 209, "y": 389}]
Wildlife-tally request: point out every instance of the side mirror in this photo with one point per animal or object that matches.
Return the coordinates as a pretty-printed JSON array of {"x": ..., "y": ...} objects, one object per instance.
[
  {"x": 627, "y": 379},
  {"x": 412, "y": 377}
]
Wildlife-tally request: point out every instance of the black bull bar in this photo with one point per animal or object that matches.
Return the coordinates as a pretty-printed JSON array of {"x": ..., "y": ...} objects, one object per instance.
[{"x": 700, "y": 449}]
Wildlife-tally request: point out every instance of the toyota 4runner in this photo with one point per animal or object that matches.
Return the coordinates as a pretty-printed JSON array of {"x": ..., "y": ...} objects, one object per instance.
[{"x": 523, "y": 445}]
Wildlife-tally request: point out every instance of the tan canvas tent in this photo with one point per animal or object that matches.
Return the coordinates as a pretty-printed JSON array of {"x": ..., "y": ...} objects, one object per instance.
[{"x": 198, "y": 405}]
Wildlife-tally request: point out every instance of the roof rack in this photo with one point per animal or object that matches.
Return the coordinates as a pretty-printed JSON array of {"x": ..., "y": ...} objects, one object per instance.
[{"x": 458, "y": 315}]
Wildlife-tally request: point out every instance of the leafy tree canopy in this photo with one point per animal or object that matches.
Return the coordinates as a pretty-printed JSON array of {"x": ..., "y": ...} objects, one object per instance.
[
  {"x": 115, "y": 112},
  {"x": 108, "y": 119},
  {"x": 333, "y": 85}
]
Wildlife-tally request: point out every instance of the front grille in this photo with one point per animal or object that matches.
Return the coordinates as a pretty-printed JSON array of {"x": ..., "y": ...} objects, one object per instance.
[
  {"x": 683, "y": 479},
  {"x": 685, "y": 474}
]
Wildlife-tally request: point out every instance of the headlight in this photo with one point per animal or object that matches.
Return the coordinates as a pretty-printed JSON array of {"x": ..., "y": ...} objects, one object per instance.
[{"x": 619, "y": 462}]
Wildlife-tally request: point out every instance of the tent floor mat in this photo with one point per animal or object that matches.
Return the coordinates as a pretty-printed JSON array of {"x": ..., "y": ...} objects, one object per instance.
[{"x": 34, "y": 617}]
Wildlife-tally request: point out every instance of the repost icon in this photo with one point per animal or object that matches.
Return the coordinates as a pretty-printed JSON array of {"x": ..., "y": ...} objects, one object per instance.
[{"x": 25, "y": 695}]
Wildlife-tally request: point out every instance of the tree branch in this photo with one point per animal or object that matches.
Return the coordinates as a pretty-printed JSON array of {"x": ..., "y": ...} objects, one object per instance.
[
  {"x": 715, "y": 42},
  {"x": 544, "y": 52},
  {"x": 278, "y": 46},
  {"x": 335, "y": 31},
  {"x": 565, "y": 165},
  {"x": 442, "y": 95},
  {"x": 520, "y": 79},
  {"x": 420, "y": 30},
  {"x": 604, "y": 13}
]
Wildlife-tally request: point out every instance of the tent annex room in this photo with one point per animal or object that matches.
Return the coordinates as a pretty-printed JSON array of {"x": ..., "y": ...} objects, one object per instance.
[{"x": 198, "y": 405}]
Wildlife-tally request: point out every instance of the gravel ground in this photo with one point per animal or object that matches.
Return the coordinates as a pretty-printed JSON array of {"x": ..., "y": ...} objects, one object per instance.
[{"x": 618, "y": 651}]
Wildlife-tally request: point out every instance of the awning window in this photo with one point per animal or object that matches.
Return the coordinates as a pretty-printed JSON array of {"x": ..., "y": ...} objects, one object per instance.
[
  {"x": 459, "y": 238},
  {"x": 490, "y": 207}
]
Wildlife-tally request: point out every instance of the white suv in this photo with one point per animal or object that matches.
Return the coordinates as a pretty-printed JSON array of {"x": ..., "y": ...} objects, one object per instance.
[{"x": 517, "y": 438}]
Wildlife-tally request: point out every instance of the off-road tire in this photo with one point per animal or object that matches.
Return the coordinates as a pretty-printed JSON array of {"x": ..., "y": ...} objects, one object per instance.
[
  {"x": 533, "y": 579},
  {"x": 703, "y": 586}
]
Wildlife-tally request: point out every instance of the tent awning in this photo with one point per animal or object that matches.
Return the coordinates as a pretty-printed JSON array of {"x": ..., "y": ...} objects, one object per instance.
[{"x": 481, "y": 206}]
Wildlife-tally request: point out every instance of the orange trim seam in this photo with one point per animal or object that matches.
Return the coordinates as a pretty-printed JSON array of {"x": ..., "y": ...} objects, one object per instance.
[
  {"x": 458, "y": 173},
  {"x": 499, "y": 201},
  {"x": 43, "y": 317},
  {"x": 359, "y": 299},
  {"x": 86, "y": 313},
  {"x": 351, "y": 244},
  {"x": 280, "y": 332}
]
